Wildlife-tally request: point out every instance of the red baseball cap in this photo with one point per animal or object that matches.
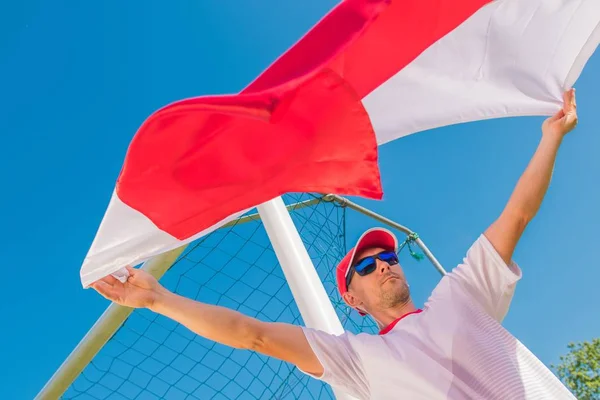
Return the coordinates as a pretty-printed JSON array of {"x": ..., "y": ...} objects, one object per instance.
[{"x": 374, "y": 237}]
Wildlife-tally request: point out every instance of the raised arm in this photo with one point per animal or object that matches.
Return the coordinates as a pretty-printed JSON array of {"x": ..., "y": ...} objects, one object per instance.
[
  {"x": 282, "y": 341},
  {"x": 531, "y": 188}
]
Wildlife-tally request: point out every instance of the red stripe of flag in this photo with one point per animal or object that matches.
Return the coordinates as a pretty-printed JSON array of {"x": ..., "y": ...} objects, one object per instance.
[{"x": 299, "y": 127}]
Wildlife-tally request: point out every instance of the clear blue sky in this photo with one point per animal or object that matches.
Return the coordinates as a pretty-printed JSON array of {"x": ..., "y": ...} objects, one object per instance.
[{"x": 78, "y": 78}]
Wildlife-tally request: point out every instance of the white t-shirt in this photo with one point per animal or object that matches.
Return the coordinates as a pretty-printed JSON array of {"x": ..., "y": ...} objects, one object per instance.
[{"x": 455, "y": 348}]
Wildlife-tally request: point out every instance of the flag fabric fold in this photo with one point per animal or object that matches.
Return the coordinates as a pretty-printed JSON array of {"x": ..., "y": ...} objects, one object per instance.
[
  {"x": 514, "y": 58},
  {"x": 371, "y": 71}
]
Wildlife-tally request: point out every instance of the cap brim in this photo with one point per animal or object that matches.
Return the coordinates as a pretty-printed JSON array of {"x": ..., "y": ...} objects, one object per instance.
[{"x": 374, "y": 237}]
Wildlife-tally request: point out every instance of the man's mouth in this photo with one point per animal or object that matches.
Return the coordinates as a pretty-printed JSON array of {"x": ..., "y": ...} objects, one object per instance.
[{"x": 388, "y": 278}]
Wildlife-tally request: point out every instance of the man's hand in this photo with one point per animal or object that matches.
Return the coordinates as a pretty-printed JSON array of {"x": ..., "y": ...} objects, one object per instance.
[
  {"x": 565, "y": 120},
  {"x": 527, "y": 197},
  {"x": 140, "y": 290}
]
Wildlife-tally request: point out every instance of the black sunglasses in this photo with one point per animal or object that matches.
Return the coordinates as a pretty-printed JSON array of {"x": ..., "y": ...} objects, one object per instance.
[{"x": 367, "y": 265}]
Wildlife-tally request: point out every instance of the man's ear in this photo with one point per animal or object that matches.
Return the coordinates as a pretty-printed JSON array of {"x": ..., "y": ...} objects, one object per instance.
[{"x": 352, "y": 300}]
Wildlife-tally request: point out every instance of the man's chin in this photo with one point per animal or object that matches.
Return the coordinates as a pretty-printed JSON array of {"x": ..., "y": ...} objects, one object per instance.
[{"x": 397, "y": 293}]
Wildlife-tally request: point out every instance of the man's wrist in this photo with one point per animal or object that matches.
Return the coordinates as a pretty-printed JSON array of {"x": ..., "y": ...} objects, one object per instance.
[
  {"x": 553, "y": 138},
  {"x": 160, "y": 300}
]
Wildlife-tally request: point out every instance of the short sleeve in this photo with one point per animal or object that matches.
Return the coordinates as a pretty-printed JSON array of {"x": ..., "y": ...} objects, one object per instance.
[
  {"x": 342, "y": 366},
  {"x": 485, "y": 278}
]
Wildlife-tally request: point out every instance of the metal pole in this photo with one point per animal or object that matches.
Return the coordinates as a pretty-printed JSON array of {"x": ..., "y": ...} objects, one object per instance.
[
  {"x": 104, "y": 328},
  {"x": 305, "y": 284},
  {"x": 347, "y": 203},
  {"x": 431, "y": 257}
]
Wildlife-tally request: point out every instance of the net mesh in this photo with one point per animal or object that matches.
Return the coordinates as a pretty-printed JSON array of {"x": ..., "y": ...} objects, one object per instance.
[{"x": 152, "y": 357}]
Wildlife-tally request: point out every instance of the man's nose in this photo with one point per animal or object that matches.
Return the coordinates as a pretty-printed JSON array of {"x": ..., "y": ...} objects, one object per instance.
[{"x": 383, "y": 266}]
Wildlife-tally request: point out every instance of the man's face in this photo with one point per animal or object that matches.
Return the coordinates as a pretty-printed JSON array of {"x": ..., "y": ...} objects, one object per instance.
[{"x": 383, "y": 288}]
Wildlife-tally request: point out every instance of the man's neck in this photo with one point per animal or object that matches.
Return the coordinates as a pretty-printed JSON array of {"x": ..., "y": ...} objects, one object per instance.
[{"x": 385, "y": 317}]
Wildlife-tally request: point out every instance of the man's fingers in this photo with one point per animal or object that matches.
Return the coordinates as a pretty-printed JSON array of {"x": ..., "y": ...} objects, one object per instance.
[
  {"x": 572, "y": 119},
  {"x": 571, "y": 108},
  {"x": 557, "y": 116},
  {"x": 105, "y": 289},
  {"x": 110, "y": 280},
  {"x": 569, "y": 101},
  {"x": 133, "y": 274},
  {"x": 567, "y": 95}
]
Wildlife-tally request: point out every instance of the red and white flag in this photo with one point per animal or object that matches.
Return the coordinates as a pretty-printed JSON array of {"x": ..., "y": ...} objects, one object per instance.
[{"x": 371, "y": 71}]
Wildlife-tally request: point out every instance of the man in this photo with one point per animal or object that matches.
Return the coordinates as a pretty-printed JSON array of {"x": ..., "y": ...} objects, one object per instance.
[{"x": 452, "y": 348}]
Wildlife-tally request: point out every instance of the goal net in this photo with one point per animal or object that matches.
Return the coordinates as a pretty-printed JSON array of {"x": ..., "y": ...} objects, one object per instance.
[{"x": 152, "y": 357}]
